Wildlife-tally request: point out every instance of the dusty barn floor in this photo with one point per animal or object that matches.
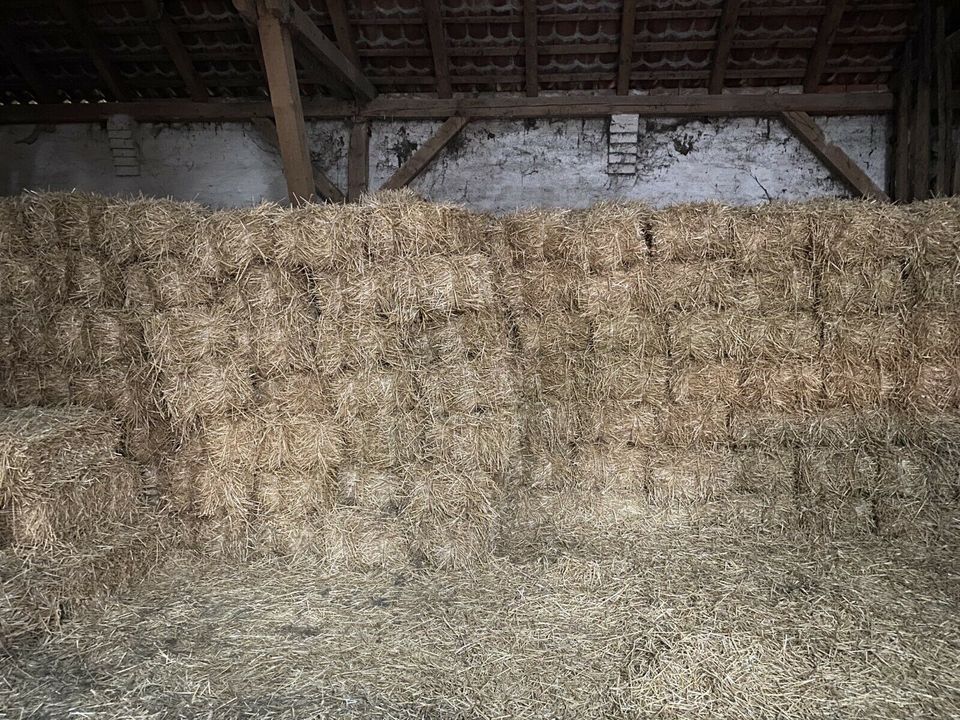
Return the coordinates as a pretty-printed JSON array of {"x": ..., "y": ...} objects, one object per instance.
[{"x": 624, "y": 619}]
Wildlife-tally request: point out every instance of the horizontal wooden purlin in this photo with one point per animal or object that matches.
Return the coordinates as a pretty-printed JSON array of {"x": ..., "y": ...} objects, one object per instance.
[{"x": 489, "y": 106}]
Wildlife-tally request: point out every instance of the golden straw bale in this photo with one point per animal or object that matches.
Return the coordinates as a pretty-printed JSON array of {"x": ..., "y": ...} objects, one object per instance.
[
  {"x": 617, "y": 291},
  {"x": 296, "y": 392},
  {"x": 468, "y": 387},
  {"x": 636, "y": 332},
  {"x": 453, "y": 543},
  {"x": 361, "y": 538},
  {"x": 699, "y": 283},
  {"x": 32, "y": 331},
  {"x": 608, "y": 236},
  {"x": 114, "y": 336},
  {"x": 836, "y": 491},
  {"x": 615, "y": 470},
  {"x": 934, "y": 387},
  {"x": 858, "y": 232},
  {"x": 321, "y": 236},
  {"x": 235, "y": 439},
  {"x": 918, "y": 473},
  {"x": 295, "y": 494},
  {"x": 370, "y": 393},
  {"x": 95, "y": 282},
  {"x": 553, "y": 334},
  {"x": 849, "y": 338},
  {"x": 781, "y": 386},
  {"x": 693, "y": 232},
  {"x": 149, "y": 228},
  {"x": 936, "y": 224},
  {"x": 772, "y": 235},
  {"x": 489, "y": 442},
  {"x": 229, "y": 241},
  {"x": 536, "y": 236},
  {"x": 705, "y": 335},
  {"x": 545, "y": 469},
  {"x": 184, "y": 335},
  {"x": 554, "y": 424},
  {"x": 356, "y": 342},
  {"x": 861, "y": 385},
  {"x": 370, "y": 489},
  {"x": 438, "y": 285},
  {"x": 938, "y": 285},
  {"x": 78, "y": 218},
  {"x": 702, "y": 395},
  {"x": 71, "y": 330},
  {"x": 166, "y": 282},
  {"x": 690, "y": 425},
  {"x": 381, "y": 442},
  {"x": 12, "y": 224},
  {"x": 680, "y": 476},
  {"x": 767, "y": 471},
  {"x": 638, "y": 380},
  {"x": 40, "y": 234},
  {"x": 208, "y": 389},
  {"x": 781, "y": 288},
  {"x": 864, "y": 287},
  {"x": 776, "y": 336},
  {"x": 619, "y": 424},
  {"x": 936, "y": 335},
  {"x": 307, "y": 441},
  {"x": 466, "y": 337},
  {"x": 550, "y": 289},
  {"x": 19, "y": 279}
]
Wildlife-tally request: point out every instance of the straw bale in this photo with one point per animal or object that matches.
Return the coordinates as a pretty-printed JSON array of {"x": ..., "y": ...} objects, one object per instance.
[
  {"x": 856, "y": 232},
  {"x": 699, "y": 283},
  {"x": 537, "y": 236},
  {"x": 30, "y": 331},
  {"x": 488, "y": 383},
  {"x": 545, "y": 470},
  {"x": 114, "y": 336},
  {"x": 468, "y": 337},
  {"x": 71, "y": 332},
  {"x": 19, "y": 279},
  {"x": 862, "y": 385},
  {"x": 321, "y": 236},
  {"x": 185, "y": 335},
  {"x": 864, "y": 338},
  {"x": 619, "y": 424},
  {"x": 229, "y": 241},
  {"x": 936, "y": 224},
  {"x": 936, "y": 335},
  {"x": 554, "y": 424},
  {"x": 294, "y": 494},
  {"x": 938, "y": 285},
  {"x": 306, "y": 441},
  {"x": 453, "y": 543},
  {"x": 78, "y": 218},
  {"x": 295, "y": 392},
  {"x": 601, "y": 470},
  {"x": 832, "y": 427},
  {"x": 691, "y": 425},
  {"x": 678, "y": 476},
  {"x": 766, "y": 471},
  {"x": 548, "y": 289},
  {"x": 490, "y": 441},
  {"x": 920, "y": 474},
  {"x": 638, "y": 380},
  {"x": 702, "y": 395},
  {"x": 640, "y": 288},
  {"x": 781, "y": 386},
  {"x": 864, "y": 287},
  {"x": 772, "y": 235},
  {"x": 380, "y": 442},
  {"x": 608, "y": 236},
  {"x": 553, "y": 334},
  {"x": 934, "y": 387},
  {"x": 38, "y": 212},
  {"x": 835, "y": 491},
  {"x": 438, "y": 285},
  {"x": 399, "y": 224},
  {"x": 370, "y": 489},
  {"x": 636, "y": 332},
  {"x": 693, "y": 232},
  {"x": 369, "y": 393},
  {"x": 361, "y": 538},
  {"x": 12, "y": 224},
  {"x": 167, "y": 282},
  {"x": 781, "y": 288},
  {"x": 150, "y": 228},
  {"x": 225, "y": 491},
  {"x": 198, "y": 390},
  {"x": 95, "y": 282},
  {"x": 778, "y": 336},
  {"x": 21, "y": 384},
  {"x": 357, "y": 342}
]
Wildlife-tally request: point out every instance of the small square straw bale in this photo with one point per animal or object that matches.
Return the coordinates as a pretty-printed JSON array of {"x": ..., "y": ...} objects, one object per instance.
[
  {"x": 369, "y": 393},
  {"x": 936, "y": 223},
  {"x": 307, "y": 441},
  {"x": 848, "y": 233},
  {"x": 862, "y": 385},
  {"x": 699, "y": 283},
  {"x": 358, "y": 538},
  {"x": 918, "y": 474},
  {"x": 115, "y": 336},
  {"x": 787, "y": 386},
  {"x": 446, "y": 491},
  {"x": 837, "y": 472},
  {"x": 226, "y": 492},
  {"x": 772, "y": 235},
  {"x": 559, "y": 333},
  {"x": 549, "y": 289},
  {"x": 751, "y": 427},
  {"x": 466, "y": 337},
  {"x": 627, "y": 378},
  {"x": 184, "y": 335},
  {"x": 441, "y": 286},
  {"x": 489, "y": 442},
  {"x": 235, "y": 439},
  {"x": 617, "y": 291},
  {"x": 19, "y": 279},
  {"x": 689, "y": 425},
  {"x": 33, "y": 331},
  {"x": 206, "y": 389},
  {"x": 536, "y": 236},
  {"x": 356, "y": 342},
  {"x": 849, "y": 338},
  {"x": 167, "y": 282},
  {"x": 766, "y": 471},
  {"x": 610, "y": 236},
  {"x": 294, "y": 494},
  {"x": 296, "y": 392},
  {"x": 693, "y": 232},
  {"x": 864, "y": 287},
  {"x": 636, "y": 332},
  {"x": 934, "y": 387},
  {"x": 705, "y": 335},
  {"x": 96, "y": 282},
  {"x": 150, "y": 227},
  {"x": 938, "y": 285},
  {"x": 936, "y": 335},
  {"x": 786, "y": 287},
  {"x": 699, "y": 384},
  {"x": 40, "y": 232},
  {"x": 468, "y": 387},
  {"x": 615, "y": 470},
  {"x": 370, "y": 489},
  {"x": 555, "y": 424},
  {"x": 12, "y": 224},
  {"x": 683, "y": 477},
  {"x": 321, "y": 236},
  {"x": 624, "y": 424},
  {"x": 78, "y": 217},
  {"x": 777, "y": 336},
  {"x": 229, "y": 241},
  {"x": 71, "y": 332}
]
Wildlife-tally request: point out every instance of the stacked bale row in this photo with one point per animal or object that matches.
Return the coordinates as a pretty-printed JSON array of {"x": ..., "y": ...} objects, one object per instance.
[
  {"x": 69, "y": 334},
  {"x": 768, "y": 361},
  {"x": 73, "y": 518}
]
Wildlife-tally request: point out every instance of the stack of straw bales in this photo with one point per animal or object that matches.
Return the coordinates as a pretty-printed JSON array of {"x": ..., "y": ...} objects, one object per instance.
[
  {"x": 73, "y": 518},
  {"x": 70, "y": 336}
]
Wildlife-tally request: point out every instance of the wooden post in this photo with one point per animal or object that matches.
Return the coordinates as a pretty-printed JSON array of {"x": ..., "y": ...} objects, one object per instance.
[
  {"x": 628, "y": 22},
  {"x": 530, "y": 47},
  {"x": 944, "y": 116},
  {"x": 920, "y": 133},
  {"x": 901, "y": 172},
  {"x": 821, "y": 46},
  {"x": 721, "y": 53},
  {"x": 438, "y": 46},
  {"x": 358, "y": 161},
  {"x": 418, "y": 162},
  {"x": 287, "y": 108}
]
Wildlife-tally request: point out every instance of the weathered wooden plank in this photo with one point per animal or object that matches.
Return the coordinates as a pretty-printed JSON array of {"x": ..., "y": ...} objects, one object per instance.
[
  {"x": 944, "y": 115},
  {"x": 628, "y": 23},
  {"x": 821, "y": 47},
  {"x": 358, "y": 161},
  {"x": 901, "y": 172},
  {"x": 438, "y": 46},
  {"x": 531, "y": 60},
  {"x": 324, "y": 185},
  {"x": 422, "y": 157},
  {"x": 920, "y": 132},
  {"x": 341, "y": 30},
  {"x": 178, "y": 53},
  {"x": 837, "y": 161},
  {"x": 721, "y": 54}
]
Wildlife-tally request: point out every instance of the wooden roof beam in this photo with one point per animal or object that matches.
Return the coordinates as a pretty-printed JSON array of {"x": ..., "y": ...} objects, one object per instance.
[
  {"x": 840, "y": 165},
  {"x": 821, "y": 46},
  {"x": 438, "y": 46},
  {"x": 285, "y": 99},
  {"x": 422, "y": 157},
  {"x": 11, "y": 48},
  {"x": 721, "y": 53},
  {"x": 628, "y": 23},
  {"x": 178, "y": 53},
  {"x": 531, "y": 59},
  {"x": 358, "y": 160},
  {"x": 324, "y": 185},
  {"x": 337, "y": 10},
  {"x": 88, "y": 36}
]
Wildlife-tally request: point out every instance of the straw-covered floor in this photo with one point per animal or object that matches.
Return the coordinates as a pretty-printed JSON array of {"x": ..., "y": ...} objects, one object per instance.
[{"x": 398, "y": 459}]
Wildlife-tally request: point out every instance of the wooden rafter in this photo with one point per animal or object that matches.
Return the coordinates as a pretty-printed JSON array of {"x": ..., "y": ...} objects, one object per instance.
[
  {"x": 628, "y": 22},
  {"x": 337, "y": 10},
  {"x": 721, "y": 53},
  {"x": 324, "y": 186},
  {"x": 920, "y": 131},
  {"x": 422, "y": 157},
  {"x": 901, "y": 166},
  {"x": 944, "y": 108},
  {"x": 18, "y": 56},
  {"x": 836, "y": 160},
  {"x": 287, "y": 109},
  {"x": 358, "y": 161},
  {"x": 821, "y": 47},
  {"x": 438, "y": 46},
  {"x": 178, "y": 53},
  {"x": 88, "y": 37},
  {"x": 489, "y": 106},
  {"x": 531, "y": 61}
]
